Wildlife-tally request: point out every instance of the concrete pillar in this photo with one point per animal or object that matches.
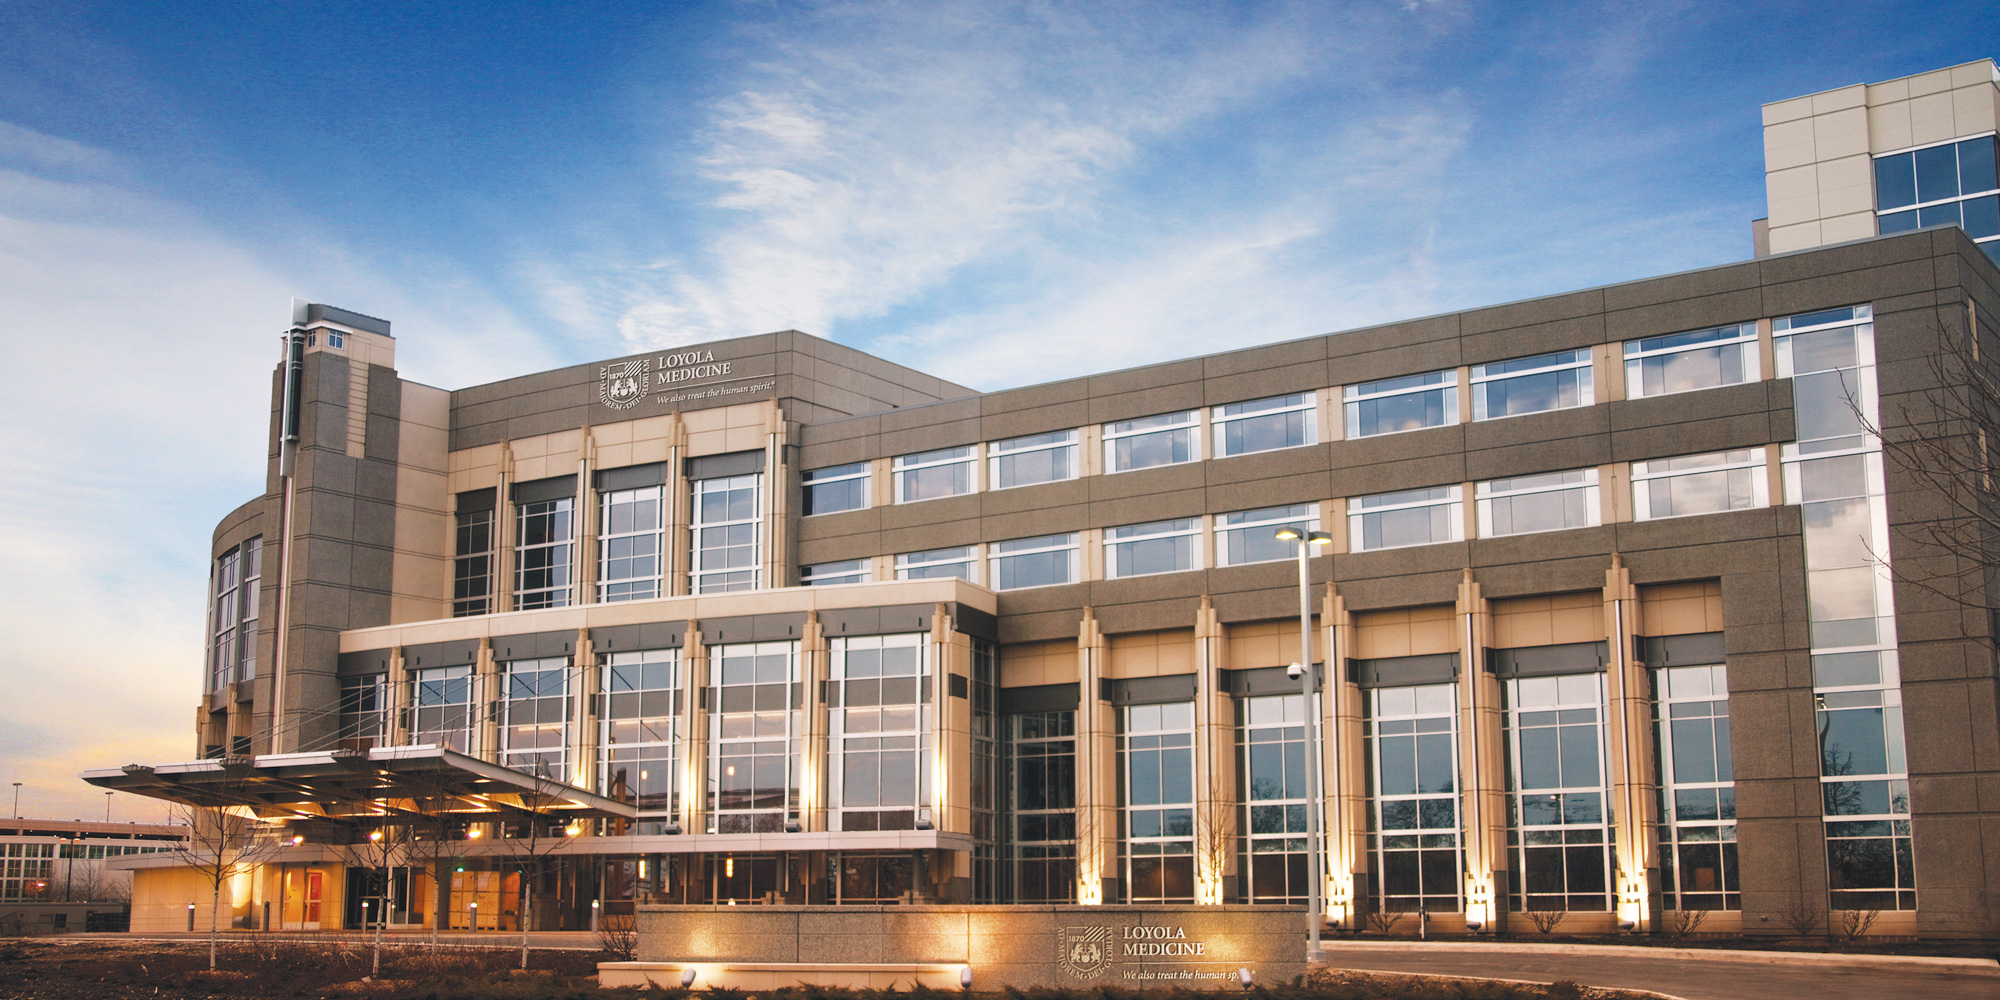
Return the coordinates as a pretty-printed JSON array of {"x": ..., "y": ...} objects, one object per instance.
[
  {"x": 1634, "y": 793},
  {"x": 1482, "y": 765},
  {"x": 1215, "y": 771},
  {"x": 1096, "y": 775},
  {"x": 1346, "y": 763},
  {"x": 694, "y": 730}
]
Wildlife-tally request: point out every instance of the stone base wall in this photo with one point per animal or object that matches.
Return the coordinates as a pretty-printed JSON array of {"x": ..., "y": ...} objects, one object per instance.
[{"x": 1018, "y": 946}]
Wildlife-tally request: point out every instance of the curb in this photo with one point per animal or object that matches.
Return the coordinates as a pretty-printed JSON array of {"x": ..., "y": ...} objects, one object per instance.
[
  {"x": 1491, "y": 979},
  {"x": 1937, "y": 963}
]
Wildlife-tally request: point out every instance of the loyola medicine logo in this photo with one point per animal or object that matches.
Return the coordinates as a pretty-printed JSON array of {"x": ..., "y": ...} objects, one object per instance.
[
  {"x": 1083, "y": 952},
  {"x": 623, "y": 385}
]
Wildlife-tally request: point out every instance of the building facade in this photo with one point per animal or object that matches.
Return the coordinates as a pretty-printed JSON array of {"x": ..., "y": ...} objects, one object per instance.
[{"x": 1617, "y": 624}]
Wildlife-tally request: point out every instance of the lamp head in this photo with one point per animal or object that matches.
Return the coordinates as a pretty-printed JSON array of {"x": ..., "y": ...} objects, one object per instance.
[
  {"x": 1290, "y": 533},
  {"x": 1319, "y": 538}
]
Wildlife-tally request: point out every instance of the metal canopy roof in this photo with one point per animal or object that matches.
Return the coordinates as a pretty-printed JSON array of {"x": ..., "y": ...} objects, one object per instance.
[{"x": 353, "y": 785}]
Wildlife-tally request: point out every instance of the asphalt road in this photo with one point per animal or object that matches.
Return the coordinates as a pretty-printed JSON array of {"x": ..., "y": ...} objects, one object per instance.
[{"x": 1703, "y": 978}]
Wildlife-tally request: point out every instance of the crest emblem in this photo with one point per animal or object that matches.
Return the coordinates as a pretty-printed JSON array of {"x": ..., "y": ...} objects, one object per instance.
[
  {"x": 624, "y": 384},
  {"x": 1083, "y": 952}
]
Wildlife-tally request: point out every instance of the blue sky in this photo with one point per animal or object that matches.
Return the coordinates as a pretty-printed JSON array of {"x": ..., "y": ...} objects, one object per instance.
[{"x": 998, "y": 193}]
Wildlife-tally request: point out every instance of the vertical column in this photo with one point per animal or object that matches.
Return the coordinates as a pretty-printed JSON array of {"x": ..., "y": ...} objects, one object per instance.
[
  {"x": 1482, "y": 766},
  {"x": 1628, "y": 717},
  {"x": 694, "y": 723},
  {"x": 951, "y": 732},
  {"x": 777, "y": 522},
  {"x": 1347, "y": 792},
  {"x": 1215, "y": 742},
  {"x": 815, "y": 666},
  {"x": 583, "y": 567},
  {"x": 486, "y": 692},
  {"x": 583, "y": 714},
  {"x": 1096, "y": 777},
  {"x": 677, "y": 515},
  {"x": 504, "y": 528},
  {"x": 396, "y": 705}
]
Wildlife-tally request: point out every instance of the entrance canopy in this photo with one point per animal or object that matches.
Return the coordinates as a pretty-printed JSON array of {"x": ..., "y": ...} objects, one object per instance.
[{"x": 352, "y": 785}]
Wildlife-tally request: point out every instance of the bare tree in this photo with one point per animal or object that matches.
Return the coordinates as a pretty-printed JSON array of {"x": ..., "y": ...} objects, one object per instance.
[
  {"x": 1801, "y": 914},
  {"x": 222, "y": 843},
  {"x": 534, "y": 839},
  {"x": 1214, "y": 840},
  {"x": 376, "y": 853},
  {"x": 1546, "y": 914}
]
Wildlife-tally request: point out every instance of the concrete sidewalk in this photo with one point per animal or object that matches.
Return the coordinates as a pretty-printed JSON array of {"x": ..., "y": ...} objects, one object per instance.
[{"x": 1692, "y": 973}]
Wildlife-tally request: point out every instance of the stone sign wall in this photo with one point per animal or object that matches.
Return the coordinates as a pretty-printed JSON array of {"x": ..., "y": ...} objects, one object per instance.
[{"x": 1020, "y": 946}]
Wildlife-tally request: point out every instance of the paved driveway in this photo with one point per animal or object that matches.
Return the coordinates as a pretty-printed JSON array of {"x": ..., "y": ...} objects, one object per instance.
[{"x": 1696, "y": 976}]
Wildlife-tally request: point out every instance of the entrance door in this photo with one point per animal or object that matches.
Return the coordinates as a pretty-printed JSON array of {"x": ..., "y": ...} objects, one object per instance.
[{"x": 302, "y": 891}]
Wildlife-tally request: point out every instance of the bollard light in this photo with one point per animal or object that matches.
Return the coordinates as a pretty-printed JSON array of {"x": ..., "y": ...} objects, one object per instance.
[
  {"x": 687, "y": 978},
  {"x": 965, "y": 977},
  {"x": 1243, "y": 978}
]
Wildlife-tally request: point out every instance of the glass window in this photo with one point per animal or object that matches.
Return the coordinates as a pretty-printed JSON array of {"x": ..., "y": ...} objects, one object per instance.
[
  {"x": 961, "y": 562},
  {"x": 1412, "y": 517},
  {"x": 1412, "y": 746},
  {"x": 1531, "y": 385},
  {"x": 1558, "y": 809},
  {"x": 1271, "y": 737},
  {"x": 442, "y": 707},
  {"x": 1251, "y": 536},
  {"x": 364, "y": 712},
  {"x": 1548, "y": 502},
  {"x": 1684, "y": 362},
  {"x": 829, "y": 574},
  {"x": 1951, "y": 184},
  {"x": 753, "y": 699},
  {"x": 1041, "y": 749},
  {"x": 1264, "y": 425},
  {"x": 472, "y": 564},
  {"x": 1410, "y": 403},
  {"x": 1697, "y": 788},
  {"x": 534, "y": 719},
  {"x": 879, "y": 731},
  {"x": 639, "y": 729},
  {"x": 1036, "y": 458},
  {"x": 1034, "y": 562},
  {"x": 1699, "y": 484},
  {"x": 1157, "y": 757},
  {"x": 934, "y": 475},
  {"x": 1157, "y": 547},
  {"x": 542, "y": 554},
  {"x": 726, "y": 554},
  {"x": 233, "y": 641},
  {"x": 631, "y": 551},
  {"x": 1168, "y": 439},
  {"x": 832, "y": 490}
]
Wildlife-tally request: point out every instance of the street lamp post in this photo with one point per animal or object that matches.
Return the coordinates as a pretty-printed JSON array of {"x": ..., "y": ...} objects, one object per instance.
[
  {"x": 1315, "y": 848},
  {"x": 17, "y": 800}
]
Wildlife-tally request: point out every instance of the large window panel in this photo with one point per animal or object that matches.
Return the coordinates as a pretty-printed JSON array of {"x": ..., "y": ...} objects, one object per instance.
[
  {"x": 1685, "y": 362},
  {"x": 1412, "y": 517},
  {"x": 1148, "y": 442},
  {"x": 1264, "y": 425},
  {"x": 1409, "y": 403},
  {"x": 1042, "y": 826},
  {"x": 639, "y": 738},
  {"x": 1033, "y": 459},
  {"x": 1560, "y": 835},
  {"x": 1411, "y": 739},
  {"x": 834, "y": 573},
  {"x": 1951, "y": 183},
  {"x": 1272, "y": 779},
  {"x": 1699, "y": 484},
  {"x": 472, "y": 564},
  {"x": 1251, "y": 536},
  {"x": 1531, "y": 385},
  {"x": 442, "y": 700},
  {"x": 1551, "y": 501},
  {"x": 1697, "y": 788},
  {"x": 960, "y": 562},
  {"x": 1156, "y": 547},
  {"x": 879, "y": 730},
  {"x": 753, "y": 700},
  {"x": 1045, "y": 561},
  {"x": 534, "y": 716},
  {"x": 835, "y": 489},
  {"x": 1157, "y": 754},
  {"x": 934, "y": 475}
]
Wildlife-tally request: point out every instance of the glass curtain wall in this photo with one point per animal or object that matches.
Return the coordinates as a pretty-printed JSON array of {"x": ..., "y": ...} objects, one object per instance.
[
  {"x": 1272, "y": 783},
  {"x": 1411, "y": 737},
  {"x": 640, "y": 738},
  {"x": 472, "y": 564},
  {"x": 879, "y": 732},
  {"x": 443, "y": 707},
  {"x": 542, "y": 554},
  {"x": 1833, "y": 471},
  {"x": 1697, "y": 788},
  {"x": 753, "y": 699},
  {"x": 534, "y": 717},
  {"x": 724, "y": 538},
  {"x": 234, "y": 648},
  {"x": 1558, "y": 830},
  {"x": 364, "y": 714},
  {"x": 631, "y": 550},
  {"x": 1041, "y": 813},
  {"x": 1157, "y": 758}
]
